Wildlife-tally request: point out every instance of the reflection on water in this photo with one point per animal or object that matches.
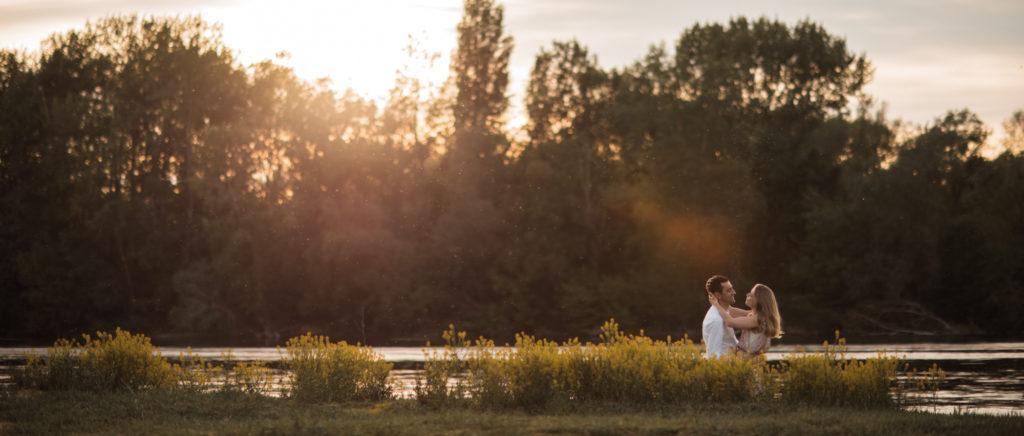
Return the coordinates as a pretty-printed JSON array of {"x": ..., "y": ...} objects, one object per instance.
[
  {"x": 991, "y": 392},
  {"x": 980, "y": 377},
  {"x": 930, "y": 352}
]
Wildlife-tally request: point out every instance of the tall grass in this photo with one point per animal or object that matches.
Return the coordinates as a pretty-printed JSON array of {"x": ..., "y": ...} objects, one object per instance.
[
  {"x": 109, "y": 362},
  {"x": 322, "y": 371},
  {"x": 252, "y": 378},
  {"x": 441, "y": 383},
  {"x": 536, "y": 374},
  {"x": 122, "y": 361},
  {"x": 196, "y": 374},
  {"x": 831, "y": 378}
]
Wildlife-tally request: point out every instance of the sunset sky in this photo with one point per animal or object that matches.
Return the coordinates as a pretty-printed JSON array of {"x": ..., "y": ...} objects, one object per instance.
[{"x": 929, "y": 56}]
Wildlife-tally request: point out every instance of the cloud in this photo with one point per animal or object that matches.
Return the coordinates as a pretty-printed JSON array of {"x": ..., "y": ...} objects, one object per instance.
[
  {"x": 922, "y": 86},
  {"x": 28, "y": 13},
  {"x": 930, "y": 55}
]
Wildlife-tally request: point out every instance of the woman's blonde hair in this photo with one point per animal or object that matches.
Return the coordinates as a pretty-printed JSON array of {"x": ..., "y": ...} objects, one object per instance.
[{"x": 769, "y": 321}]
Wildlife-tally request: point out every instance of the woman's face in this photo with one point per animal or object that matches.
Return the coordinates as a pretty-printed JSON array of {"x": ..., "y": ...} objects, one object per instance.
[{"x": 751, "y": 299}]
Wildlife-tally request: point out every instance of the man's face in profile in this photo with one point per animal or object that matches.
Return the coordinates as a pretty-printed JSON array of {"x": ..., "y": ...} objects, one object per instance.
[{"x": 728, "y": 295}]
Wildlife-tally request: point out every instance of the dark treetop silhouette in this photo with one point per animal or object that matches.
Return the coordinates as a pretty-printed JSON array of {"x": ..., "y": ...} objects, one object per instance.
[{"x": 150, "y": 181}]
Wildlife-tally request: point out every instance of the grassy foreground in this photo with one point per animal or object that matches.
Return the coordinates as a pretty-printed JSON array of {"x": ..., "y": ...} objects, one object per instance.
[{"x": 194, "y": 413}]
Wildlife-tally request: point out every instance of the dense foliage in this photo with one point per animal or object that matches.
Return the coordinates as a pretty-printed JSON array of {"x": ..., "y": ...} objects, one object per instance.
[{"x": 149, "y": 180}]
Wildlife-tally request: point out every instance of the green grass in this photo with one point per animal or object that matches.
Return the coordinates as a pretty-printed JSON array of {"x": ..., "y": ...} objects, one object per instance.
[{"x": 180, "y": 412}]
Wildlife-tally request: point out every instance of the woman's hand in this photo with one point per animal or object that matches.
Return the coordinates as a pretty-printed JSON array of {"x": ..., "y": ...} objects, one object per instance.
[{"x": 713, "y": 300}]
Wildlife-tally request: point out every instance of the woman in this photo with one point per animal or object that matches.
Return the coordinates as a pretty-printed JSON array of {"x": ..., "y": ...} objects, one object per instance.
[{"x": 758, "y": 325}]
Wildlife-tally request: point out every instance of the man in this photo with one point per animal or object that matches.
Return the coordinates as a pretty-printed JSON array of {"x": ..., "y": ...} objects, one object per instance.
[{"x": 718, "y": 338}]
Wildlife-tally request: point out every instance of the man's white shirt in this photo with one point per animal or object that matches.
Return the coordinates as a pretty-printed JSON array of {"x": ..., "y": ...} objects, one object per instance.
[{"x": 718, "y": 338}]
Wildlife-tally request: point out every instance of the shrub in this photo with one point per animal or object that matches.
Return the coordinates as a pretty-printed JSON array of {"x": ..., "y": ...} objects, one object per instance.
[
  {"x": 110, "y": 362},
  {"x": 530, "y": 376},
  {"x": 537, "y": 373},
  {"x": 487, "y": 381},
  {"x": 58, "y": 370},
  {"x": 441, "y": 381},
  {"x": 534, "y": 374},
  {"x": 811, "y": 379},
  {"x": 635, "y": 369},
  {"x": 830, "y": 378},
  {"x": 322, "y": 371},
  {"x": 640, "y": 370}
]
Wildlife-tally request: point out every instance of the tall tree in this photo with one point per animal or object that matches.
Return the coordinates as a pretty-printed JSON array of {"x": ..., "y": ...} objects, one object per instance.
[
  {"x": 1013, "y": 128},
  {"x": 469, "y": 229},
  {"x": 480, "y": 72}
]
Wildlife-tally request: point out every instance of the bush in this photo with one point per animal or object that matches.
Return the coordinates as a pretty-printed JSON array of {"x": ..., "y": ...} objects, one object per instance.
[
  {"x": 110, "y": 362},
  {"x": 58, "y": 370},
  {"x": 830, "y": 378},
  {"x": 441, "y": 383},
  {"x": 536, "y": 373},
  {"x": 322, "y": 371},
  {"x": 635, "y": 369},
  {"x": 530, "y": 376}
]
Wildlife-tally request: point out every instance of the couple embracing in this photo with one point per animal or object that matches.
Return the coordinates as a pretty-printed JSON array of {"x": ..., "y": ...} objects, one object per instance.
[{"x": 758, "y": 325}]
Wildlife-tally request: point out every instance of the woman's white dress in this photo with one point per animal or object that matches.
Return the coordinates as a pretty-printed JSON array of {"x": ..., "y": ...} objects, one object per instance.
[{"x": 754, "y": 342}]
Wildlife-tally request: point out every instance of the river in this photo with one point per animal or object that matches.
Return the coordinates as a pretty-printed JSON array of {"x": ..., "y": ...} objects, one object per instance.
[{"x": 981, "y": 377}]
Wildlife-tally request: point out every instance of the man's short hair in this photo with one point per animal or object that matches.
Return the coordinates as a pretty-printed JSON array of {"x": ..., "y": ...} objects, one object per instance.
[{"x": 714, "y": 284}]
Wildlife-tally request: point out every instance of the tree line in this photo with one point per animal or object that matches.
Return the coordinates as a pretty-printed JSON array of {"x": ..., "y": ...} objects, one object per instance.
[{"x": 151, "y": 181}]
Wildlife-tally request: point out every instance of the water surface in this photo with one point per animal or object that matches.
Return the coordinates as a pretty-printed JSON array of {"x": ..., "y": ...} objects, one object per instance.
[{"x": 981, "y": 377}]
